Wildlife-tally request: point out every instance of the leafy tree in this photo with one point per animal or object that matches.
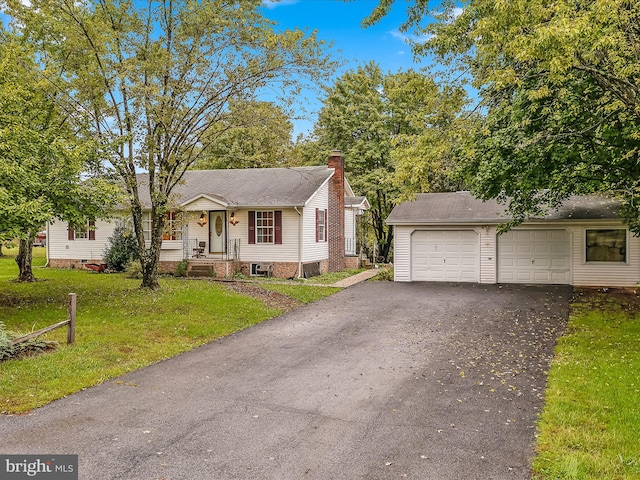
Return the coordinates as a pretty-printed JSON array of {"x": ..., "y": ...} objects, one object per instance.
[
  {"x": 433, "y": 128},
  {"x": 257, "y": 135},
  {"x": 354, "y": 120},
  {"x": 396, "y": 133},
  {"x": 45, "y": 163},
  {"x": 157, "y": 77},
  {"x": 561, "y": 87}
]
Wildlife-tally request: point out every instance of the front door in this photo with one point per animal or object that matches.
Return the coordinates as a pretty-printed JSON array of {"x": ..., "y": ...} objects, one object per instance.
[{"x": 217, "y": 231}]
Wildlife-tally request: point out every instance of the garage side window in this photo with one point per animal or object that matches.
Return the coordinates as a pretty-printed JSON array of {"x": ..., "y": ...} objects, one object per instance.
[{"x": 606, "y": 245}]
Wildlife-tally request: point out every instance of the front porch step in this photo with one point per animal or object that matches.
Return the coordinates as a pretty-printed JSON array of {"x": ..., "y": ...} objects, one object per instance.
[{"x": 200, "y": 270}]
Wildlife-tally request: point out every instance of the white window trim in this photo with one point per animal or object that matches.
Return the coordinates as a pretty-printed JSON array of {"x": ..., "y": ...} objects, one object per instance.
[
  {"x": 272, "y": 227},
  {"x": 605, "y": 262},
  {"x": 322, "y": 227},
  {"x": 169, "y": 227},
  {"x": 82, "y": 234}
]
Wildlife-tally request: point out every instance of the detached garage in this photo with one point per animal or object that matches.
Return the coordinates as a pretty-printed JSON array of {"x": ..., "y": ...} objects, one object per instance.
[{"x": 453, "y": 237}]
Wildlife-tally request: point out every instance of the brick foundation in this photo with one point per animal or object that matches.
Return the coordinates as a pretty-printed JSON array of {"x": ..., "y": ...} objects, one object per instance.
[
  {"x": 324, "y": 266},
  {"x": 70, "y": 263},
  {"x": 163, "y": 267},
  {"x": 351, "y": 263},
  {"x": 222, "y": 269},
  {"x": 280, "y": 269},
  {"x": 285, "y": 270},
  {"x": 167, "y": 267}
]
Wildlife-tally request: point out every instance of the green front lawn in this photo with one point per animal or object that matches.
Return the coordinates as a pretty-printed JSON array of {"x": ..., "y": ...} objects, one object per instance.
[
  {"x": 120, "y": 327},
  {"x": 590, "y": 425}
]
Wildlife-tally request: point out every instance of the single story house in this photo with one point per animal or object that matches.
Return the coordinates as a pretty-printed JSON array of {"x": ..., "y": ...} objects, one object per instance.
[
  {"x": 453, "y": 237},
  {"x": 285, "y": 222}
]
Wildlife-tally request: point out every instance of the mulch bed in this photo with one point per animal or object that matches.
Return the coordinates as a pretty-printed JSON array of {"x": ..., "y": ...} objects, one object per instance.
[
  {"x": 627, "y": 298},
  {"x": 269, "y": 298}
]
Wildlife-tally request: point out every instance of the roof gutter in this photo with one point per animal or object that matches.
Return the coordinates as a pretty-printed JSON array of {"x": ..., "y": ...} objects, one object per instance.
[
  {"x": 440, "y": 223},
  {"x": 448, "y": 222}
]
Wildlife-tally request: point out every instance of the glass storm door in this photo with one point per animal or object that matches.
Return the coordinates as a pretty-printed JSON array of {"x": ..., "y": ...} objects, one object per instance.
[{"x": 217, "y": 231}]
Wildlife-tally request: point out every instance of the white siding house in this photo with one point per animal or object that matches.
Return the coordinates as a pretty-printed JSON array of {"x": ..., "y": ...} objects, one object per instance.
[
  {"x": 231, "y": 221},
  {"x": 315, "y": 212},
  {"x": 454, "y": 237},
  {"x": 61, "y": 244}
]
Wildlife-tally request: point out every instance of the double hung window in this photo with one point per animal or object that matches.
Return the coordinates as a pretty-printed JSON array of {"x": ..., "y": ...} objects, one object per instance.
[
  {"x": 264, "y": 227},
  {"x": 321, "y": 225}
]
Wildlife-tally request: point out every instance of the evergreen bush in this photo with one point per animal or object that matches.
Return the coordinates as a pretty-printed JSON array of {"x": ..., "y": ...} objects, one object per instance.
[{"x": 121, "y": 249}]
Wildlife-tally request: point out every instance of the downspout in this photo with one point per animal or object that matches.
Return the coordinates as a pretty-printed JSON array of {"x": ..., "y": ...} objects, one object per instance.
[{"x": 300, "y": 241}]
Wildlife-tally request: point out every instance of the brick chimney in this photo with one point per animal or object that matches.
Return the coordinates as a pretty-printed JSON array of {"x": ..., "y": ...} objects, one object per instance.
[{"x": 336, "y": 212}]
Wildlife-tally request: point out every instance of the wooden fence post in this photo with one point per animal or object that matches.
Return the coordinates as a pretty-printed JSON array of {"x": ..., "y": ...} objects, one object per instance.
[{"x": 71, "y": 317}]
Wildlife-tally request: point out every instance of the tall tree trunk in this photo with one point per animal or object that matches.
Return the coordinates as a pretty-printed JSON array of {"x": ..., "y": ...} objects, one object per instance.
[
  {"x": 149, "y": 257},
  {"x": 149, "y": 263},
  {"x": 24, "y": 259},
  {"x": 385, "y": 246},
  {"x": 383, "y": 232}
]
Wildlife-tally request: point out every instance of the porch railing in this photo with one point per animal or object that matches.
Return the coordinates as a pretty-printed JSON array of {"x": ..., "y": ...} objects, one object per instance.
[
  {"x": 350, "y": 247},
  {"x": 190, "y": 250}
]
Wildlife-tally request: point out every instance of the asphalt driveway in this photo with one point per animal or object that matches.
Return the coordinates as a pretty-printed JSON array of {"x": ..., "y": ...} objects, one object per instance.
[{"x": 380, "y": 381}]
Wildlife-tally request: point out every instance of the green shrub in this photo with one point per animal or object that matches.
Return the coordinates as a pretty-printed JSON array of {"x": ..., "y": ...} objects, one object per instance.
[
  {"x": 121, "y": 249},
  {"x": 385, "y": 274},
  {"x": 7, "y": 349},
  {"x": 181, "y": 268},
  {"x": 133, "y": 269},
  {"x": 30, "y": 347},
  {"x": 33, "y": 347}
]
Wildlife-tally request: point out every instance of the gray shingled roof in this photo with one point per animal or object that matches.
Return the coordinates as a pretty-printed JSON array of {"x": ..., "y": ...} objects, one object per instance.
[
  {"x": 462, "y": 207},
  {"x": 354, "y": 201},
  {"x": 254, "y": 187}
]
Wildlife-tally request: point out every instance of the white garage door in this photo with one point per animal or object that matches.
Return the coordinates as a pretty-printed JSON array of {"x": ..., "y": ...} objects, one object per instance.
[
  {"x": 534, "y": 256},
  {"x": 445, "y": 256}
]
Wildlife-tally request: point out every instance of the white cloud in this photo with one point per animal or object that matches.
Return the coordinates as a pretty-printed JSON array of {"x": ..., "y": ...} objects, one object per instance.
[
  {"x": 456, "y": 12},
  {"x": 410, "y": 38},
  {"x": 398, "y": 35},
  {"x": 271, "y": 4}
]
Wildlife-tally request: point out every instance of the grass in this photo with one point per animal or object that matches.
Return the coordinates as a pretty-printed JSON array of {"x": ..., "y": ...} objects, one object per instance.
[
  {"x": 120, "y": 327},
  {"x": 333, "y": 277},
  {"x": 590, "y": 426},
  {"x": 302, "y": 293}
]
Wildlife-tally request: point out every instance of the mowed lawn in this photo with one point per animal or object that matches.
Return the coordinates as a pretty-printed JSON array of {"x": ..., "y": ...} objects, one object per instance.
[
  {"x": 590, "y": 425},
  {"x": 120, "y": 327}
]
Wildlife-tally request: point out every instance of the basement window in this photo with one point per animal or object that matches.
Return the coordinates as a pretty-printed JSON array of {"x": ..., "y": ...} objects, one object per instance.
[{"x": 608, "y": 245}]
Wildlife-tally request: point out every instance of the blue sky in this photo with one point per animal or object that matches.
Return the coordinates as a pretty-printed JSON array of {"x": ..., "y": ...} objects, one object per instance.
[{"x": 339, "y": 21}]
